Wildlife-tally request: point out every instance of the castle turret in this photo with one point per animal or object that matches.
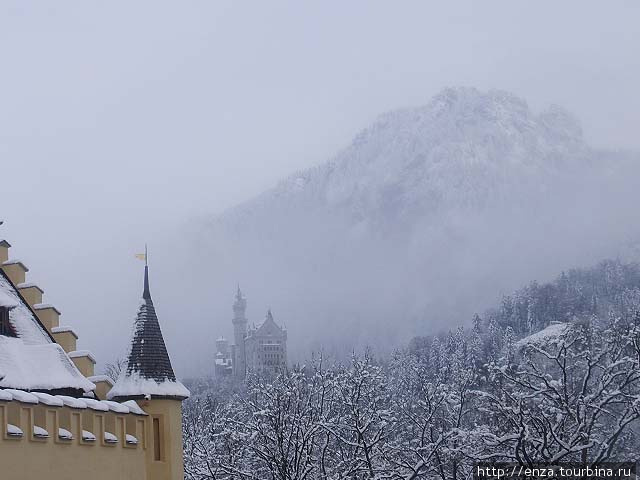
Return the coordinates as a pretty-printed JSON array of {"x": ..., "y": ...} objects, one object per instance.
[
  {"x": 239, "y": 334},
  {"x": 149, "y": 379}
]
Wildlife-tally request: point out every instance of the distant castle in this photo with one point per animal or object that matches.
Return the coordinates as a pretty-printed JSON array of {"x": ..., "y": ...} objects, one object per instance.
[{"x": 260, "y": 349}]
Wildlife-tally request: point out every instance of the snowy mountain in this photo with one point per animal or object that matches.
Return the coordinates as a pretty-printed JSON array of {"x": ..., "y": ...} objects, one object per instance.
[
  {"x": 463, "y": 148},
  {"x": 426, "y": 217}
]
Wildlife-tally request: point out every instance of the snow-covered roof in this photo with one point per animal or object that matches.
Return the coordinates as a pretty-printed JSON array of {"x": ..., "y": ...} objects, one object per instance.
[
  {"x": 268, "y": 327},
  {"x": 148, "y": 371},
  {"x": 133, "y": 385},
  {"x": 42, "y": 366},
  {"x": 82, "y": 353},
  {"x": 32, "y": 360},
  {"x": 45, "y": 306},
  {"x": 550, "y": 335},
  {"x": 63, "y": 329},
  {"x": 15, "y": 261},
  {"x": 34, "y": 398},
  {"x": 22, "y": 286},
  {"x": 100, "y": 378},
  {"x": 22, "y": 319}
]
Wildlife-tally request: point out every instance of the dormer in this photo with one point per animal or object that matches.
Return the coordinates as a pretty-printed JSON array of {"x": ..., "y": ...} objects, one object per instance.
[{"x": 6, "y": 329}]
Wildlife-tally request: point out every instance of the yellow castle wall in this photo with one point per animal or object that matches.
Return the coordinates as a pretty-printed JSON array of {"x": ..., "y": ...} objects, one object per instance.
[
  {"x": 56, "y": 459},
  {"x": 168, "y": 414}
]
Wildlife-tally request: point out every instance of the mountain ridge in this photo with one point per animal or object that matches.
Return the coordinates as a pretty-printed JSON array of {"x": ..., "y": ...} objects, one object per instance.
[{"x": 427, "y": 216}]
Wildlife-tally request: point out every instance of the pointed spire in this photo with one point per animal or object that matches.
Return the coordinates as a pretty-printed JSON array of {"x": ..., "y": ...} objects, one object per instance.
[
  {"x": 239, "y": 293},
  {"x": 146, "y": 294},
  {"x": 148, "y": 371}
]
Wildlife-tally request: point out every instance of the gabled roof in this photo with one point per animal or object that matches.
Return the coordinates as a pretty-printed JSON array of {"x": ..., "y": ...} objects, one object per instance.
[
  {"x": 33, "y": 360},
  {"x": 148, "y": 371},
  {"x": 269, "y": 326}
]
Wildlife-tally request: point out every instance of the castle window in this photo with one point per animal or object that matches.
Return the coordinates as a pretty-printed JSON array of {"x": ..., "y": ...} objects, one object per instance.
[
  {"x": 157, "y": 447},
  {"x": 5, "y": 325}
]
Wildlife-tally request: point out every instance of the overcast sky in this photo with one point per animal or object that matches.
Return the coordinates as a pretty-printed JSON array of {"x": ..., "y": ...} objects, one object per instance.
[{"x": 119, "y": 120}]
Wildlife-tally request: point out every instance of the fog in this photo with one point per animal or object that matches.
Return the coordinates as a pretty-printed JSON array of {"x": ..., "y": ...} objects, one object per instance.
[{"x": 124, "y": 124}]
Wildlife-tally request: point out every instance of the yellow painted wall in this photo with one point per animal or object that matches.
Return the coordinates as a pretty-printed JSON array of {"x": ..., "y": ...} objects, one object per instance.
[
  {"x": 85, "y": 365},
  {"x": 32, "y": 295},
  {"x": 29, "y": 458},
  {"x": 169, "y": 415},
  {"x": 67, "y": 340}
]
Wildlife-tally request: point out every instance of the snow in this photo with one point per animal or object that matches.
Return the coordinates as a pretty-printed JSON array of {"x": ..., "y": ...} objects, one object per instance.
[
  {"x": 64, "y": 329},
  {"x": 132, "y": 385},
  {"x": 40, "y": 432},
  {"x": 72, "y": 402},
  {"x": 549, "y": 335},
  {"x": 14, "y": 431},
  {"x": 38, "y": 367},
  {"x": 49, "y": 400},
  {"x": 24, "y": 285},
  {"x": 44, "y": 306},
  {"x": 24, "y": 397},
  {"x": 100, "y": 378},
  {"x": 27, "y": 327},
  {"x": 78, "y": 403},
  {"x": 7, "y": 300},
  {"x": 131, "y": 440},
  {"x": 134, "y": 407},
  {"x": 15, "y": 261},
  {"x": 82, "y": 353},
  {"x": 88, "y": 436},
  {"x": 96, "y": 405},
  {"x": 110, "y": 437},
  {"x": 115, "y": 406},
  {"x": 65, "y": 434}
]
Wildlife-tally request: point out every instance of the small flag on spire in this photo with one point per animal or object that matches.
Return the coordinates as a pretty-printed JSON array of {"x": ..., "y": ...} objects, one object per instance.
[{"x": 143, "y": 256}]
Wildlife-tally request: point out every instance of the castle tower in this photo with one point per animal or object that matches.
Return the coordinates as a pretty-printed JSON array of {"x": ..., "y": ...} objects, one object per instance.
[
  {"x": 149, "y": 379},
  {"x": 239, "y": 334}
]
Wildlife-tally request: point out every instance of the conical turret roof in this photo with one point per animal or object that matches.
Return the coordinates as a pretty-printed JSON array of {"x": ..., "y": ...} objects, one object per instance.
[{"x": 148, "y": 371}]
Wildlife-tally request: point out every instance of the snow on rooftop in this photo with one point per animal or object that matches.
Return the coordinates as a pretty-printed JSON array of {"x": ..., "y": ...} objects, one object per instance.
[
  {"x": 7, "y": 300},
  {"x": 22, "y": 319},
  {"x": 101, "y": 378},
  {"x": 15, "y": 261},
  {"x": 134, "y": 407},
  {"x": 82, "y": 353},
  {"x": 35, "y": 398},
  {"x": 24, "y": 285},
  {"x": 38, "y": 367},
  {"x": 131, "y": 385},
  {"x": 63, "y": 329},
  {"x": 552, "y": 334},
  {"x": 44, "y": 306}
]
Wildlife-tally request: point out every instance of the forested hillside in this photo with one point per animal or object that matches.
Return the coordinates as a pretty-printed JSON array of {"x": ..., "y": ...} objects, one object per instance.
[{"x": 552, "y": 374}]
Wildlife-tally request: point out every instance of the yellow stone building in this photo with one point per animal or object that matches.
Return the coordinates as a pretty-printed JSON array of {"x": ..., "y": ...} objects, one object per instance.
[{"x": 58, "y": 420}]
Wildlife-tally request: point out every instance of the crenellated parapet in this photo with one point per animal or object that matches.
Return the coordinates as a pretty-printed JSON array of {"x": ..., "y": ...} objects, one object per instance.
[{"x": 93, "y": 439}]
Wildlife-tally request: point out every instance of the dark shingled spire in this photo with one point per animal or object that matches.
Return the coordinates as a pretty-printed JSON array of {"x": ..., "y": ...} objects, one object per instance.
[
  {"x": 148, "y": 357},
  {"x": 145, "y": 293}
]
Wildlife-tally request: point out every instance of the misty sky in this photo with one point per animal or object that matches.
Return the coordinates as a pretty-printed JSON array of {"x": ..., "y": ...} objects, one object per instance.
[{"x": 121, "y": 120}]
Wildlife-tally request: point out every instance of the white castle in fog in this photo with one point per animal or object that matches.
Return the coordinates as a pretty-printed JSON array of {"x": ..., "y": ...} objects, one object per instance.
[{"x": 260, "y": 349}]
